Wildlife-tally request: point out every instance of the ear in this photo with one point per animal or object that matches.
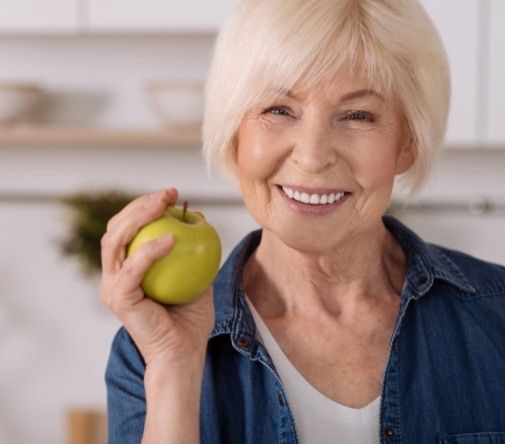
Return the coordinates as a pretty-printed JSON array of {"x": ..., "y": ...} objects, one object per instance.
[
  {"x": 406, "y": 157},
  {"x": 234, "y": 148},
  {"x": 408, "y": 152}
]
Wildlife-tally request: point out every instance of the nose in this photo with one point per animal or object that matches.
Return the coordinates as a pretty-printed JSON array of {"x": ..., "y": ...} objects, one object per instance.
[{"x": 314, "y": 149}]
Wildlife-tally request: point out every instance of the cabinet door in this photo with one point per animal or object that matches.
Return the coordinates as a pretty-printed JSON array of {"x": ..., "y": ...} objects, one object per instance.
[
  {"x": 157, "y": 15},
  {"x": 496, "y": 113},
  {"x": 458, "y": 24},
  {"x": 38, "y": 16}
]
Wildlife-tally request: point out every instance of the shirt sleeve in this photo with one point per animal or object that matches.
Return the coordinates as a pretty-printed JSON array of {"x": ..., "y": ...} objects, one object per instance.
[{"x": 124, "y": 380}]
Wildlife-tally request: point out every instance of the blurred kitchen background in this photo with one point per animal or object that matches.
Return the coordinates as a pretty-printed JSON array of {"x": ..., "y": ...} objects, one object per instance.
[{"x": 105, "y": 95}]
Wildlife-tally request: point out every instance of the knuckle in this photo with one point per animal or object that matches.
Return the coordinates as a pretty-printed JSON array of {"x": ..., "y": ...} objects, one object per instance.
[
  {"x": 129, "y": 269},
  {"x": 104, "y": 240},
  {"x": 111, "y": 223},
  {"x": 132, "y": 265},
  {"x": 110, "y": 297},
  {"x": 147, "y": 199},
  {"x": 141, "y": 200},
  {"x": 109, "y": 240}
]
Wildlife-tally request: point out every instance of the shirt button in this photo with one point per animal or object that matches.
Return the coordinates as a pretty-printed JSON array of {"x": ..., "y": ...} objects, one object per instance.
[
  {"x": 396, "y": 344},
  {"x": 243, "y": 342},
  {"x": 389, "y": 432}
]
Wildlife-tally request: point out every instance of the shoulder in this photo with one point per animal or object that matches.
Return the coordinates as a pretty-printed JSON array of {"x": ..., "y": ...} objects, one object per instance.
[
  {"x": 470, "y": 276},
  {"x": 486, "y": 278}
]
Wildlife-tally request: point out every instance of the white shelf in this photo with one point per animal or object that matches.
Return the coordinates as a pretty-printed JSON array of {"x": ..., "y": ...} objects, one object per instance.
[{"x": 96, "y": 137}]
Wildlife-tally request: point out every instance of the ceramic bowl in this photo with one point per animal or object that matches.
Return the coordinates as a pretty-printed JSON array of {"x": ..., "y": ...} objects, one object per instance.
[
  {"x": 18, "y": 102},
  {"x": 178, "y": 105}
]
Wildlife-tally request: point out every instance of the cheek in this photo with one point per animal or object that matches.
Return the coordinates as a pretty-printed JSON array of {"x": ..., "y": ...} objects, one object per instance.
[
  {"x": 256, "y": 157},
  {"x": 374, "y": 166}
]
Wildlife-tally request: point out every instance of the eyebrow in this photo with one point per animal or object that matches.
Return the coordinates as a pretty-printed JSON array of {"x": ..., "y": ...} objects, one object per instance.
[
  {"x": 361, "y": 93},
  {"x": 348, "y": 96}
]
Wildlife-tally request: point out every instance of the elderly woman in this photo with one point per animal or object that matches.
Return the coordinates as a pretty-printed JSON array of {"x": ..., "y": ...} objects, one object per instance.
[{"x": 333, "y": 323}]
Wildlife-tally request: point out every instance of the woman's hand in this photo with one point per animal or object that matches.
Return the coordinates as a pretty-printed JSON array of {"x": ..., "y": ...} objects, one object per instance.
[
  {"x": 165, "y": 336},
  {"x": 172, "y": 340}
]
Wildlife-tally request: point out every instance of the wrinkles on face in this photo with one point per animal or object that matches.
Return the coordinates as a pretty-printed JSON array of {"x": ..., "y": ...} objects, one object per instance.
[{"x": 315, "y": 140}]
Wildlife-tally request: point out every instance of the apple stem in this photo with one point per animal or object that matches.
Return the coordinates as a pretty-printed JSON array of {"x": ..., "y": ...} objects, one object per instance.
[{"x": 184, "y": 209}]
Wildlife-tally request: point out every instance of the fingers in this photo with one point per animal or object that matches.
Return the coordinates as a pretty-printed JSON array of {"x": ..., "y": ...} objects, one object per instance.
[
  {"x": 142, "y": 203},
  {"x": 124, "y": 225},
  {"x": 135, "y": 266},
  {"x": 125, "y": 285}
]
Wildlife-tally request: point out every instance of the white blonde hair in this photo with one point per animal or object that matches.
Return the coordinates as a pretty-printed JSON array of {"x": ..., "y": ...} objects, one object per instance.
[{"x": 268, "y": 45}]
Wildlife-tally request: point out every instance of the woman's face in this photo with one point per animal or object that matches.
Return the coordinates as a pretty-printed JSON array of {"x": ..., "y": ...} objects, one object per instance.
[{"x": 317, "y": 167}]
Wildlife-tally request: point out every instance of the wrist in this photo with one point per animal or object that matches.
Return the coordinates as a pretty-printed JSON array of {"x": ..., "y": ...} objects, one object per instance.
[
  {"x": 173, "y": 401},
  {"x": 174, "y": 379},
  {"x": 177, "y": 363}
]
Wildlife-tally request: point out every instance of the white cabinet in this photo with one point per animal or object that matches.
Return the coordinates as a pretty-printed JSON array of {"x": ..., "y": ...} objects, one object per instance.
[
  {"x": 157, "y": 15},
  {"x": 70, "y": 16},
  {"x": 31, "y": 16},
  {"x": 458, "y": 24},
  {"x": 496, "y": 114}
]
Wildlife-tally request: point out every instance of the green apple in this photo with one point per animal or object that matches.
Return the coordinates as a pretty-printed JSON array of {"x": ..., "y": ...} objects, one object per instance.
[{"x": 192, "y": 263}]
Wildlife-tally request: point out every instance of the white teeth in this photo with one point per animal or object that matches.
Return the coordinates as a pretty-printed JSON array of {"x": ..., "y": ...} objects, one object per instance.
[{"x": 313, "y": 199}]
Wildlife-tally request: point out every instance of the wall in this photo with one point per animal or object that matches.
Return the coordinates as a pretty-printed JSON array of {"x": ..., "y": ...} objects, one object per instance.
[{"x": 54, "y": 333}]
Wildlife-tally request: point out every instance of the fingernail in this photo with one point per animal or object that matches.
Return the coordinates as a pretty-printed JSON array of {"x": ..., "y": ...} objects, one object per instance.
[{"x": 166, "y": 195}]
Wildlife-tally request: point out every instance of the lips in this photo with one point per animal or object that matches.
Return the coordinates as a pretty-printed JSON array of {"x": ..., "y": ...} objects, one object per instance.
[{"x": 313, "y": 196}]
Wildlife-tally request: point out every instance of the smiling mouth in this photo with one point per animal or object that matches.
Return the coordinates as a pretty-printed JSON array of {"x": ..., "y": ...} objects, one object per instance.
[{"x": 306, "y": 197}]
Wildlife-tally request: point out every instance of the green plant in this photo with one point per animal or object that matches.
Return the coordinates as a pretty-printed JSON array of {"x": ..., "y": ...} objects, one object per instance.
[{"x": 90, "y": 213}]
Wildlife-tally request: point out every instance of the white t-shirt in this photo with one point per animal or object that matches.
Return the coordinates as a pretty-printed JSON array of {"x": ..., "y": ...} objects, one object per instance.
[{"x": 318, "y": 419}]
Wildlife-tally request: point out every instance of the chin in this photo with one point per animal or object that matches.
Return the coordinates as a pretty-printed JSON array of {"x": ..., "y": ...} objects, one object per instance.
[
  {"x": 313, "y": 238},
  {"x": 310, "y": 242}
]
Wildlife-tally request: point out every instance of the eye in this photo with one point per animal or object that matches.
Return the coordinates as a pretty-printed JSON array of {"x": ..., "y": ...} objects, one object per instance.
[
  {"x": 277, "y": 111},
  {"x": 360, "y": 116}
]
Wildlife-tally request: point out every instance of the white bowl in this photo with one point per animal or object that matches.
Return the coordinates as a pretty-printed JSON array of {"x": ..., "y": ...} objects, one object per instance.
[
  {"x": 179, "y": 105},
  {"x": 18, "y": 102}
]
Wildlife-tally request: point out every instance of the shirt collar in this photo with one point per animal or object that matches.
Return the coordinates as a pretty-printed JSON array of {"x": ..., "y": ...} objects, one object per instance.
[
  {"x": 425, "y": 264},
  {"x": 232, "y": 314}
]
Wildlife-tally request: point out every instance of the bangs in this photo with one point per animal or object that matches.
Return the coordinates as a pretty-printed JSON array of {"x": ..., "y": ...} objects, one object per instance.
[
  {"x": 269, "y": 47},
  {"x": 311, "y": 50}
]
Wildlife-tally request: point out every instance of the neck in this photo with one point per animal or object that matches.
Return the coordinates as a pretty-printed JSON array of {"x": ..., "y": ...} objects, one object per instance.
[{"x": 357, "y": 274}]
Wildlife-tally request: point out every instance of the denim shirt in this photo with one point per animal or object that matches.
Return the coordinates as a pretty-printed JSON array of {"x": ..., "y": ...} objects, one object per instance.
[{"x": 444, "y": 381}]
